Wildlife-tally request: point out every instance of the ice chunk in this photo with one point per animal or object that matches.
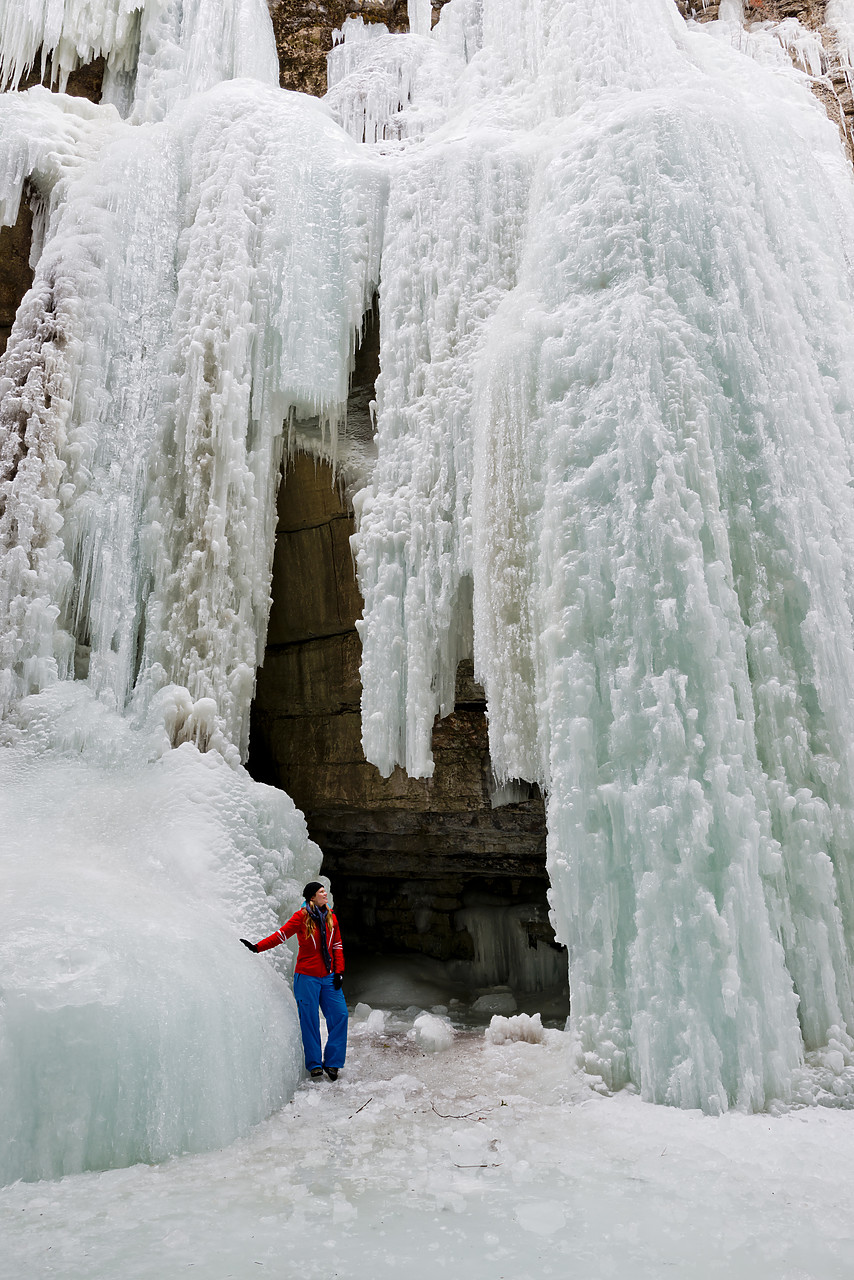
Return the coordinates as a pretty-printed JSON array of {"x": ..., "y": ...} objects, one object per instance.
[
  {"x": 522, "y": 1026},
  {"x": 375, "y": 1022},
  {"x": 432, "y": 1033},
  {"x": 495, "y": 1002},
  {"x": 541, "y": 1217}
]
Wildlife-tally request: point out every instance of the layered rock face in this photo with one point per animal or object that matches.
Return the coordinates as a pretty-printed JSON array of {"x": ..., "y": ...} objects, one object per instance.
[{"x": 16, "y": 274}]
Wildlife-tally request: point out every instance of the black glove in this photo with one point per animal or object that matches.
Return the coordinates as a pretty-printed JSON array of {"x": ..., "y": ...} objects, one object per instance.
[
  {"x": 338, "y": 981},
  {"x": 250, "y": 945}
]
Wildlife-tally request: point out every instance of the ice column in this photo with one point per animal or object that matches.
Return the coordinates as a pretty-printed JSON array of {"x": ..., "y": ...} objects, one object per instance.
[
  {"x": 420, "y": 17},
  {"x": 617, "y": 399}
]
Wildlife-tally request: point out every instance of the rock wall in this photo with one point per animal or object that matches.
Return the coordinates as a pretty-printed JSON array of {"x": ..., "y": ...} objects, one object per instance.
[{"x": 16, "y": 274}]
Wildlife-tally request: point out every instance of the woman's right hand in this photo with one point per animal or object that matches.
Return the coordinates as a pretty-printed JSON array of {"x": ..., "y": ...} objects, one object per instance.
[{"x": 250, "y": 945}]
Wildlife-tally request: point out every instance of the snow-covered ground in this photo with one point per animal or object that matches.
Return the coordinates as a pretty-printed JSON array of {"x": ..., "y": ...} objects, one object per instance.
[{"x": 480, "y": 1160}]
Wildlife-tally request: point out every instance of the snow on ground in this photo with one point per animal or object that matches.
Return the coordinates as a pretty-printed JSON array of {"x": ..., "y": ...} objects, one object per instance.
[{"x": 484, "y": 1160}]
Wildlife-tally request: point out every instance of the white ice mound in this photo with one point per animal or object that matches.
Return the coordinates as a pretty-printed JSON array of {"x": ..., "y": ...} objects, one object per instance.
[
  {"x": 522, "y": 1026},
  {"x": 133, "y": 1024},
  {"x": 432, "y": 1033},
  {"x": 616, "y": 462}
]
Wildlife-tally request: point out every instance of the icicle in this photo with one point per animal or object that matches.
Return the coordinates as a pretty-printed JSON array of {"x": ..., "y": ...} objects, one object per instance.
[
  {"x": 839, "y": 16},
  {"x": 68, "y": 33}
]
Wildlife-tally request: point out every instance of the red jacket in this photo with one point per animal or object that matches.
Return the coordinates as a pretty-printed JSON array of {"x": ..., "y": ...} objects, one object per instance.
[{"x": 310, "y": 957}]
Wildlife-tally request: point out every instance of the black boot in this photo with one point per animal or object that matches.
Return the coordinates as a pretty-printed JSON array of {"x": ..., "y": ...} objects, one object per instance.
[
  {"x": 317, "y": 1073},
  {"x": 332, "y": 1072}
]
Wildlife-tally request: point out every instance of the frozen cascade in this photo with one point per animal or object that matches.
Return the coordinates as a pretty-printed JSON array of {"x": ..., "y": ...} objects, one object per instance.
[
  {"x": 614, "y": 453},
  {"x": 615, "y": 457},
  {"x": 420, "y": 16},
  {"x": 161, "y": 571},
  {"x": 373, "y": 78},
  {"x": 202, "y": 269},
  {"x": 503, "y": 952},
  {"x": 175, "y": 49},
  {"x": 839, "y": 16}
]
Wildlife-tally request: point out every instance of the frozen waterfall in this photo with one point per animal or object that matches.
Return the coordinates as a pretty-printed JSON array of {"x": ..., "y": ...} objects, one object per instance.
[
  {"x": 205, "y": 248},
  {"x": 615, "y": 459},
  {"x": 614, "y": 434}
]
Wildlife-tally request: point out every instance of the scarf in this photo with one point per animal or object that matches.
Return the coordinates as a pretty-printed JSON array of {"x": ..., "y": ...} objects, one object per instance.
[{"x": 318, "y": 915}]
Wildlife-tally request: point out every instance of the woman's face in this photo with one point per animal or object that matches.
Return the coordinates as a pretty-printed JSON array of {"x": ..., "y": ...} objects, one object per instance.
[{"x": 319, "y": 899}]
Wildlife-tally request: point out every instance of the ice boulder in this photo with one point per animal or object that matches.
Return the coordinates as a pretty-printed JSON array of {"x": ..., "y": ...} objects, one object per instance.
[
  {"x": 521, "y": 1026},
  {"x": 433, "y": 1034}
]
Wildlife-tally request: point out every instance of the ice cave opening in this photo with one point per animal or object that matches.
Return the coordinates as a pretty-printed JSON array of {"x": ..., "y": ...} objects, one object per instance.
[{"x": 441, "y": 883}]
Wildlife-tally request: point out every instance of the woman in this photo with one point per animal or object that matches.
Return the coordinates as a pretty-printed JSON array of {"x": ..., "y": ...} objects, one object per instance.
[{"x": 318, "y": 977}]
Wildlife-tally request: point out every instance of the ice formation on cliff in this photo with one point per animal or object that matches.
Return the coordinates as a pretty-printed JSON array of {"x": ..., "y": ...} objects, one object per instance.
[
  {"x": 206, "y": 245},
  {"x": 615, "y": 458},
  {"x": 614, "y": 432}
]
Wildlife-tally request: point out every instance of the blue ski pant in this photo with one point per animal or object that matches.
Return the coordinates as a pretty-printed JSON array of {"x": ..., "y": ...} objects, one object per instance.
[{"x": 311, "y": 994}]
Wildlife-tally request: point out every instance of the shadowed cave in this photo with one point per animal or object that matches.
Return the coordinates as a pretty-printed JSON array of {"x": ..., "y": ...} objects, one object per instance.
[{"x": 447, "y": 874}]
